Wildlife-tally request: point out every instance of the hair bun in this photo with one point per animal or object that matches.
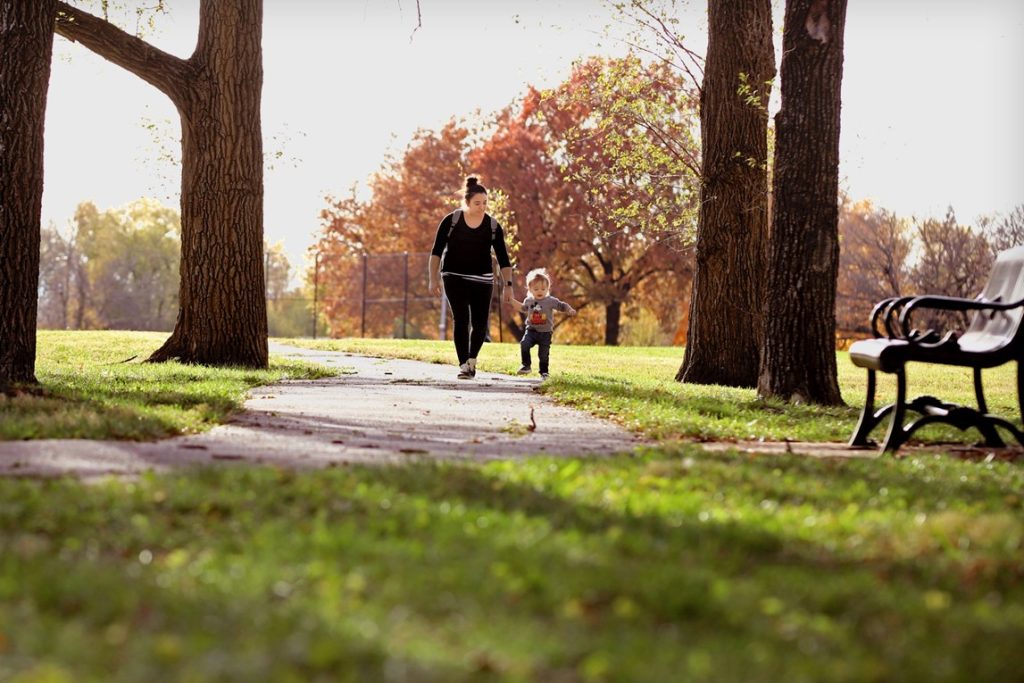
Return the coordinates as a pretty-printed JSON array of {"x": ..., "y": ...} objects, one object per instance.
[{"x": 473, "y": 187}]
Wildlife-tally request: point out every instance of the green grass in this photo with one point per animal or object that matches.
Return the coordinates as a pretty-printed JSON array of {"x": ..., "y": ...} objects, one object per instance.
[
  {"x": 670, "y": 566},
  {"x": 89, "y": 392},
  {"x": 637, "y": 387}
]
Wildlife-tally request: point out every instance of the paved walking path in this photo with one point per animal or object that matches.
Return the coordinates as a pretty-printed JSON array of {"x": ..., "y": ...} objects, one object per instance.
[{"x": 379, "y": 411}]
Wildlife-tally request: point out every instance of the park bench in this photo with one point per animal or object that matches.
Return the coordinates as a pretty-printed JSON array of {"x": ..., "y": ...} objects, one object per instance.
[{"x": 995, "y": 336}]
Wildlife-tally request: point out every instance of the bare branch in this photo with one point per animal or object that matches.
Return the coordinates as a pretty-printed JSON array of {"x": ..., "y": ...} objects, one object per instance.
[
  {"x": 688, "y": 61},
  {"x": 679, "y": 66},
  {"x": 669, "y": 143},
  {"x": 419, "y": 19},
  {"x": 167, "y": 73}
]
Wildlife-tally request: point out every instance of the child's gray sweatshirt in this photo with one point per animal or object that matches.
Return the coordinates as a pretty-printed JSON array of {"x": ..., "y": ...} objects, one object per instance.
[{"x": 538, "y": 312}]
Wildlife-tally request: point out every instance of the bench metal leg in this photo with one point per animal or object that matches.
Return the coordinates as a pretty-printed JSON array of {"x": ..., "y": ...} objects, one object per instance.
[
  {"x": 988, "y": 430},
  {"x": 1020, "y": 389},
  {"x": 980, "y": 392},
  {"x": 868, "y": 419},
  {"x": 896, "y": 436},
  {"x": 933, "y": 411},
  {"x": 1009, "y": 427}
]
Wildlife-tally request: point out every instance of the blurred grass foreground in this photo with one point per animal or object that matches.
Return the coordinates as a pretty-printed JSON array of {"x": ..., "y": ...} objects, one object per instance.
[{"x": 669, "y": 565}]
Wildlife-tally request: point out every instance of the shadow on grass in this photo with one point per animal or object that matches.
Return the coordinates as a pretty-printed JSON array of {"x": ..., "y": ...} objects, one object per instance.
[
  {"x": 696, "y": 411},
  {"x": 501, "y": 572},
  {"x": 136, "y": 401}
]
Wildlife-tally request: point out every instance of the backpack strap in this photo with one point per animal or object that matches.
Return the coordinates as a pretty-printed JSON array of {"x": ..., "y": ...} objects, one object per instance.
[{"x": 456, "y": 215}]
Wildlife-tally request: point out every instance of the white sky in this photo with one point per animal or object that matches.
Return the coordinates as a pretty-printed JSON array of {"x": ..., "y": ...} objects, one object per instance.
[{"x": 933, "y": 98}]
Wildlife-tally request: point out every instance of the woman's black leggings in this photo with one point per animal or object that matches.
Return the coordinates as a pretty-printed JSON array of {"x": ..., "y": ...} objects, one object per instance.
[{"x": 471, "y": 304}]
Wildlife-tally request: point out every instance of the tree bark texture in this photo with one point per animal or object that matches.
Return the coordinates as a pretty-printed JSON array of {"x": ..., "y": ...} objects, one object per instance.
[
  {"x": 222, "y": 318},
  {"x": 26, "y": 48},
  {"x": 798, "y": 359},
  {"x": 726, "y": 300}
]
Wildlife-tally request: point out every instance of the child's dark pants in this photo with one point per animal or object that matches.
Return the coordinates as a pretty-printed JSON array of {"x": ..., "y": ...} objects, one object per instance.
[{"x": 542, "y": 340}]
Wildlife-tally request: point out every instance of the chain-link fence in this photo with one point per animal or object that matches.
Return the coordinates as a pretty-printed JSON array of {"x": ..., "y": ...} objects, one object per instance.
[
  {"x": 389, "y": 298},
  {"x": 384, "y": 296}
]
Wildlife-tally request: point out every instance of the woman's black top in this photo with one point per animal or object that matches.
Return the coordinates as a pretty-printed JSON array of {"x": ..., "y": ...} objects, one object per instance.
[{"x": 467, "y": 252}]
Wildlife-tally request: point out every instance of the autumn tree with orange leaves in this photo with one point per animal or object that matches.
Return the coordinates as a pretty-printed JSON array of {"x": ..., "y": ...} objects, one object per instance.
[
  {"x": 567, "y": 184},
  {"x": 600, "y": 175},
  {"x": 408, "y": 197}
]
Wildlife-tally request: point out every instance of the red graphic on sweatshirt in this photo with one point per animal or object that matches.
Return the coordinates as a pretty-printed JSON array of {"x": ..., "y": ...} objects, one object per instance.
[{"x": 537, "y": 317}]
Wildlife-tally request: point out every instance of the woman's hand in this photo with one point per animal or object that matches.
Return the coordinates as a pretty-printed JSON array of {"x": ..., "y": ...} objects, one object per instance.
[
  {"x": 506, "y": 295},
  {"x": 434, "y": 287}
]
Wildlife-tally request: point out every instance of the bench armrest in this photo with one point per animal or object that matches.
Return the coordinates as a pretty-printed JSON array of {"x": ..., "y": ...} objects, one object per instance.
[
  {"x": 947, "y": 303},
  {"x": 883, "y": 311},
  {"x": 887, "y": 312}
]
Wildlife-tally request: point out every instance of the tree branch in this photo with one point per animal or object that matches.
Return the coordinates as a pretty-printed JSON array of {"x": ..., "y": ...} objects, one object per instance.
[
  {"x": 586, "y": 266},
  {"x": 167, "y": 73},
  {"x": 656, "y": 25}
]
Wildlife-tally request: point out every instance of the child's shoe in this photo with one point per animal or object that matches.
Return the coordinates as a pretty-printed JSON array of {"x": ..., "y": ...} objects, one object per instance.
[
  {"x": 525, "y": 370},
  {"x": 543, "y": 375}
]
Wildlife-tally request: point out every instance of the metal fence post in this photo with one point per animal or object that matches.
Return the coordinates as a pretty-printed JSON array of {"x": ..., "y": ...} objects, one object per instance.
[
  {"x": 362, "y": 324},
  {"x": 405, "y": 299},
  {"x": 316, "y": 288}
]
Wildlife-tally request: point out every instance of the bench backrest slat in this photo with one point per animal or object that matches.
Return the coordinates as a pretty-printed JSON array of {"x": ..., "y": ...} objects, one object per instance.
[{"x": 989, "y": 331}]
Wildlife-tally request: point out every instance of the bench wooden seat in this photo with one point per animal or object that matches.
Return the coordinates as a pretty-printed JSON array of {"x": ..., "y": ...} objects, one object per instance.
[{"x": 994, "y": 337}]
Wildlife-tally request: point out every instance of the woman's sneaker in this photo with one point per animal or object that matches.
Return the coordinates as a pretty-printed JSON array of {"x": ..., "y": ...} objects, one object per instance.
[
  {"x": 465, "y": 372},
  {"x": 525, "y": 370}
]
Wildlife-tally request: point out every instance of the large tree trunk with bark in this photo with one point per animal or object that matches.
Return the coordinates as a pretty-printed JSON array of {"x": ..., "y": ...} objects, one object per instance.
[
  {"x": 222, "y": 318},
  {"x": 728, "y": 285},
  {"x": 798, "y": 359},
  {"x": 612, "y": 323},
  {"x": 26, "y": 48}
]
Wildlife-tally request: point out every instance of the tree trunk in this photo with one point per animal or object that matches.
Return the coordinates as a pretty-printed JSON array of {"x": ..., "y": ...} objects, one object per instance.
[
  {"x": 222, "y": 319},
  {"x": 726, "y": 300},
  {"x": 612, "y": 323},
  {"x": 798, "y": 359},
  {"x": 26, "y": 48}
]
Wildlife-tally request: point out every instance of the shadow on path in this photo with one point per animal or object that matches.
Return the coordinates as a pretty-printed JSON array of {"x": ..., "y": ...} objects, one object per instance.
[{"x": 379, "y": 411}]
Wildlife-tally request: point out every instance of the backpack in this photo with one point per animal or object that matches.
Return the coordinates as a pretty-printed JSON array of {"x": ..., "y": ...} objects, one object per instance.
[{"x": 457, "y": 214}]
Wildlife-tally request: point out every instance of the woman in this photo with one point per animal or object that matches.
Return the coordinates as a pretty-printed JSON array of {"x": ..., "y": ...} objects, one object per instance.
[{"x": 461, "y": 257}]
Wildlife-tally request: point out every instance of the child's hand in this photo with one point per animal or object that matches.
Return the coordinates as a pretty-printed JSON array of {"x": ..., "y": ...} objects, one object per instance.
[{"x": 573, "y": 313}]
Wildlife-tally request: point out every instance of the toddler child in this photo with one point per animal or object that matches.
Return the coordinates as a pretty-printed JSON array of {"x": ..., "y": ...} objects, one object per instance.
[{"x": 539, "y": 307}]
